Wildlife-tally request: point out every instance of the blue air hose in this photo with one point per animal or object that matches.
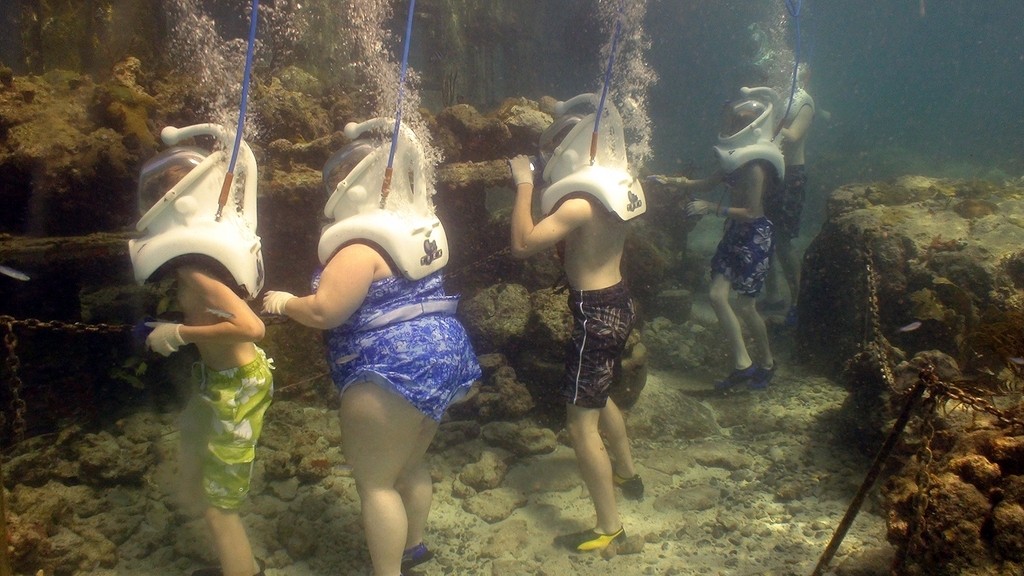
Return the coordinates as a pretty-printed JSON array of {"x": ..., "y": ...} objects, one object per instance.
[
  {"x": 794, "y": 11},
  {"x": 607, "y": 81},
  {"x": 385, "y": 187},
  {"x": 226, "y": 188}
]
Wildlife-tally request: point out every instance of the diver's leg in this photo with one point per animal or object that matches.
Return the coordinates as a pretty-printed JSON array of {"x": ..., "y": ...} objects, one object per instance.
[
  {"x": 415, "y": 486},
  {"x": 232, "y": 544},
  {"x": 595, "y": 465},
  {"x": 380, "y": 434},
  {"x": 787, "y": 257},
  {"x": 613, "y": 426},
  {"x": 730, "y": 324},
  {"x": 746, "y": 309},
  {"x": 773, "y": 297}
]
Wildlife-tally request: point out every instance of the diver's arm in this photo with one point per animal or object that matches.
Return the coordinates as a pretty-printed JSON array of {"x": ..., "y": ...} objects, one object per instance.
[
  {"x": 230, "y": 320},
  {"x": 693, "y": 186},
  {"x": 798, "y": 128},
  {"x": 343, "y": 286},
  {"x": 528, "y": 239},
  {"x": 704, "y": 184}
]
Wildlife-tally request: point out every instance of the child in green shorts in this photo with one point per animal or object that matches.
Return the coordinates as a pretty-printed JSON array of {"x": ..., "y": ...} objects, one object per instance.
[
  {"x": 235, "y": 387},
  {"x": 207, "y": 243}
]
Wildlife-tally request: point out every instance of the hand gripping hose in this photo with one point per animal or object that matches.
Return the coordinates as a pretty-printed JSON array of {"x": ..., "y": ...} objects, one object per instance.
[
  {"x": 607, "y": 81},
  {"x": 386, "y": 185},
  {"x": 225, "y": 190}
]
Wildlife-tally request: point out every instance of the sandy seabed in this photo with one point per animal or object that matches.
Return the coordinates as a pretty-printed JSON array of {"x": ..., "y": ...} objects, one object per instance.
[{"x": 762, "y": 497}]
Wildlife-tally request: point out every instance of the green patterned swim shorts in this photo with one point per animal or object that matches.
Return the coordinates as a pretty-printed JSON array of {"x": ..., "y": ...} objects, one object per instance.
[{"x": 238, "y": 398}]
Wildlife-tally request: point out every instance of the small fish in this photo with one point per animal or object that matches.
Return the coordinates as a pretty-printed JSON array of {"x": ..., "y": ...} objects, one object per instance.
[
  {"x": 1017, "y": 360},
  {"x": 220, "y": 313},
  {"x": 346, "y": 359},
  {"x": 16, "y": 274},
  {"x": 911, "y": 327}
]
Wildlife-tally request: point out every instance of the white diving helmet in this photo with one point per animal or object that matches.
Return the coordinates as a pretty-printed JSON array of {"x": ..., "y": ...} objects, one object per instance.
[
  {"x": 565, "y": 148},
  {"x": 747, "y": 131},
  {"x": 179, "y": 193},
  {"x": 407, "y": 229}
]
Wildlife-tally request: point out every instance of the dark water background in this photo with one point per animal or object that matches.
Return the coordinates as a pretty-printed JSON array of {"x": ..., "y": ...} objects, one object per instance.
[{"x": 939, "y": 95}]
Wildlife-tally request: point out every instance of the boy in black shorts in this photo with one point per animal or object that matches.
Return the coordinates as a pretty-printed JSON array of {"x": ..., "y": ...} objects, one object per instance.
[{"x": 590, "y": 220}]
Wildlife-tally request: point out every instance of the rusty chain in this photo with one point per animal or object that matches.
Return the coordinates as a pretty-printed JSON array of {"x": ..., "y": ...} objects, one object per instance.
[
  {"x": 478, "y": 263},
  {"x": 17, "y": 406},
  {"x": 977, "y": 403},
  {"x": 873, "y": 340},
  {"x": 875, "y": 345},
  {"x": 72, "y": 327},
  {"x": 920, "y": 501}
]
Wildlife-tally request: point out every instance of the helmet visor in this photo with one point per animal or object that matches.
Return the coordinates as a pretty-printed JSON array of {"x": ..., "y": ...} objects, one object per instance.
[
  {"x": 738, "y": 115},
  {"x": 552, "y": 137},
  {"x": 341, "y": 163},
  {"x": 163, "y": 171}
]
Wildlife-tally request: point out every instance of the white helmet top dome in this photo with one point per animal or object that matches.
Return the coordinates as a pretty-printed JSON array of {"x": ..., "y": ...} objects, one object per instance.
[
  {"x": 179, "y": 193},
  {"x": 566, "y": 148},
  {"x": 404, "y": 226},
  {"x": 747, "y": 131}
]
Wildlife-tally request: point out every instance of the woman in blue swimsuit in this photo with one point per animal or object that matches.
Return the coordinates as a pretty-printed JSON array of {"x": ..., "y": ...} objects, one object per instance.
[
  {"x": 396, "y": 382},
  {"x": 400, "y": 358}
]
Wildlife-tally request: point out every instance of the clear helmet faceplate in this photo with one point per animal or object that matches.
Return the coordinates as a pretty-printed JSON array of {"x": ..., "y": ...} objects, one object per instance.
[{"x": 746, "y": 132}]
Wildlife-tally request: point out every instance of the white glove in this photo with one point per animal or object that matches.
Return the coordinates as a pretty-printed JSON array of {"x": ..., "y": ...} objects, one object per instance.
[
  {"x": 274, "y": 302},
  {"x": 165, "y": 339},
  {"x": 522, "y": 170},
  {"x": 698, "y": 208}
]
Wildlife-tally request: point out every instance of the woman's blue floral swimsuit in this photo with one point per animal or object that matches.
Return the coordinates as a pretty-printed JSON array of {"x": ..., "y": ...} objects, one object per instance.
[
  {"x": 743, "y": 254},
  {"x": 427, "y": 359}
]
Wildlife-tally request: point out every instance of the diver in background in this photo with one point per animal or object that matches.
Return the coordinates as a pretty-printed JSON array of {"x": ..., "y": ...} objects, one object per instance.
[
  {"x": 784, "y": 204},
  {"x": 750, "y": 166},
  {"x": 222, "y": 422},
  {"x": 587, "y": 206},
  {"x": 395, "y": 350}
]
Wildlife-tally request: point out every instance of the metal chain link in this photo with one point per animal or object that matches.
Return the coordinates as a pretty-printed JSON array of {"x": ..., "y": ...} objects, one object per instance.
[
  {"x": 873, "y": 322},
  {"x": 478, "y": 263},
  {"x": 950, "y": 390},
  {"x": 873, "y": 342},
  {"x": 18, "y": 406},
  {"x": 73, "y": 327},
  {"x": 915, "y": 542},
  {"x": 18, "y": 425}
]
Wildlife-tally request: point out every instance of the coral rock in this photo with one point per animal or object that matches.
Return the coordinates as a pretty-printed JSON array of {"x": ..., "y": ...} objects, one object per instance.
[
  {"x": 494, "y": 505},
  {"x": 496, "y": 316},
  {"x": 485, "y": 474}
]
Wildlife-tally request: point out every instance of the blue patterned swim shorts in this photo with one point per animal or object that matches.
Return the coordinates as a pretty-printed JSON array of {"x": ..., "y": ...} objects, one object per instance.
[{"x": 744, "y": 253}]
